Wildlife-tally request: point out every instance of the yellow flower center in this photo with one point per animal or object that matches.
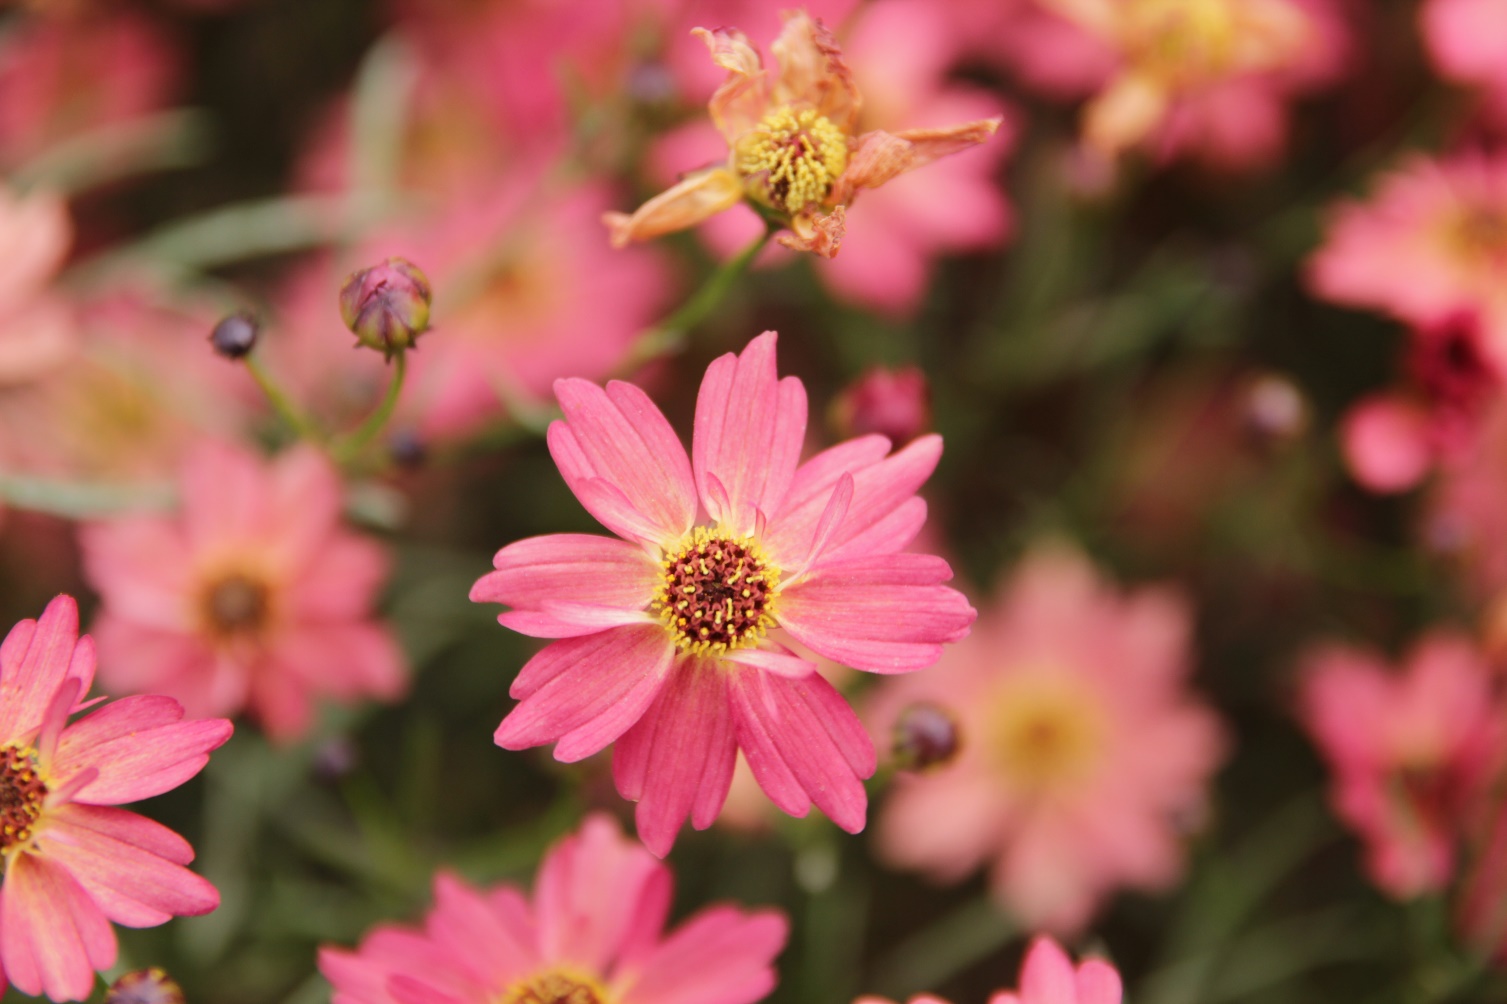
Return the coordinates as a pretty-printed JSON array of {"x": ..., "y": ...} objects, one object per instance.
[
  {"x": 235, "y": 605},
  {"x": 1184, "y": 38},
  {"x": 556, "y": 986},
  {"x": 1047, "y": 732},
  {"x": 22, "y": 792},
  {"x": 791, "y": 159},
  {"x": 717, "y": 592},
  {"x": 1481, "y": 234}
]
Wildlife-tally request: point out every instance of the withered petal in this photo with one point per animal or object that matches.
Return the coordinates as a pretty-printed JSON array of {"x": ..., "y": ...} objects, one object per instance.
[
  {"x": 685, "y": 204},
  {"x": 813, "y": 72},
  {"x": 742, "y": 99}
]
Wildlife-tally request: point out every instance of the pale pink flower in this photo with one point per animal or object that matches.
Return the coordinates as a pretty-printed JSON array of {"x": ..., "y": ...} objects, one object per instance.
[
  {"x": 1467, "y": 506},
  {"x": 1047, "y": 976},
  {"x": 1467, "y": 40},
  {"x": 36, "y": 327},
  {"x": 74, "y": 863},
  {"x": 251, "y": 597},
  {"x": 593, "y": 934},
  {"x": 1081, "y": 746},
  {"x": 665, "y": 645},
  {"x": 1429, "y": 245},
  {"x": 1407, "y": 751}
]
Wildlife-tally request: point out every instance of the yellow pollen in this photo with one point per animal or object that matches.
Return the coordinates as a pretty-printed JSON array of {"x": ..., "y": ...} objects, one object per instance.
[
  {"x": 1048, "y": 731},
  {"x": 556, "y": 986},
  {"x": 791, "y": 159},
  {"x": 22, "y": 794},
  {"x": 717, "y": 593}
]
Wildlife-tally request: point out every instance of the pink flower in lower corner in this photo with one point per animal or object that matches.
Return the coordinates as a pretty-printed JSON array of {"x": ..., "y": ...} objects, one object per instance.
[
  {"x": 252, "y": 597},
  {"x": 1082, "y": 748},
  {"x": 1047, "y": 976},
  {"x": 672, "y": 640},
  {"x": 74, "y": 863},
  {"x": 593, "y": 934}
]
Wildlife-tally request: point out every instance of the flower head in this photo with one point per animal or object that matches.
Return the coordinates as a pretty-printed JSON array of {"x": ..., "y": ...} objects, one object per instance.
[
  {"x": 73, "y": 862},
  {"x": 1080, "y": 746},
  {"x": 386, "y": 306},
  {"x": 252, "y": 597},
  {"x": 1047, "y": 976},
  {"x": 593, "y": 934},
  {"x": 672, "y": 640},
  {"x": 793, "y": 144}
]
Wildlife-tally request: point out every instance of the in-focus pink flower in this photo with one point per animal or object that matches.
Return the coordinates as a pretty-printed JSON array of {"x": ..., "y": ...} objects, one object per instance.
[
  {"x": 665, "y": 635},
  {"x": 1429, "y": 246},
  {"x": 1047, "y": 976},
  {"x": 793, "y": 144},
  {"x": 1408, "y": 751},
  {"x": 74, "y": 863},
  {"x": 593, "y": 934},
  {"x": 252, "y": 596},
  {"x": 1467, "y": 40},
  {"x": 1081, "y": 746}
]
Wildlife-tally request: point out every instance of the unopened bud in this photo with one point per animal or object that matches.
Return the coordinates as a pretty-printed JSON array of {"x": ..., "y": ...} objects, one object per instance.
[
  {"x": 894, "y": 403},
  {"x": 1273, "y": 411},
  {"x": 925, "y": 736},
  {"x": 386, "y": 306},
  {"x": 144, "y": 986},
  {"x": 235, "y": 335}
]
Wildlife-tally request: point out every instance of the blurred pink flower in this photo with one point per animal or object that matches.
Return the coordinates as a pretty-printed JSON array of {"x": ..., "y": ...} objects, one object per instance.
[
  {"x": 1047, "y": 976},
  {"x": 252, "y": 596},
  {"x": 1428, "y": 246},
  {"x": 895, "y": 403},
  {"x": 1467, "y": 40},
  {"x": 1204, "y": 78},
  {"x": 73, "y": 862},
  {"x": 1081, "y": 746},
  {"x": 664, "y": 646},
  {"x": 1467, "y": 507},
  {"x": 36, "y": 327},
  {"x": 593, "y": 934},
  {"x": 1408, "y": 751}
]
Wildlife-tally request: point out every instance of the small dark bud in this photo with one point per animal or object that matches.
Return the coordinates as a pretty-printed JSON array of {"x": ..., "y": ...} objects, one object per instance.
[
  {"x": 894, "y": 403},
  {"x": 144, "y": 986},
  {"x": 407, "y": 449},
  {"x": 925, "y": 736},
  {"x": 236, "y": 335},
  {"x": 335, "y": 759},
  {"x": 386, "y": 306}
]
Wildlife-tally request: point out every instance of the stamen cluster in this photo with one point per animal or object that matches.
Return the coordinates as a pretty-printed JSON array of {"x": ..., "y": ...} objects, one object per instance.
[
  {"x": 236, "y": 604},
  {"x": 792, "y": 158},
  {"x": 717, "y": 592},
  {"x": 555, "y": 986},
  {"x": 22, "y": 792}
]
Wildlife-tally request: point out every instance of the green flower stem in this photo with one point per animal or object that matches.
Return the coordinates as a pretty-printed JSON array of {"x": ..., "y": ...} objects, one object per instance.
[
  {"x": 351, "y": 447},
  {"x": 281, "y": 403}
]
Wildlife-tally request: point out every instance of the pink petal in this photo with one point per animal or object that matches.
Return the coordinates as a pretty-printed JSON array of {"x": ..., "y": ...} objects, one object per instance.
[
  {"x": 780, "y": 661},
  {"x": 578, "y": 568},
  {"x": 885, "y": 614},
  {"x": 35, "y": 659},
  {"x": 588, "y": 692},
  {"x": 342, "y": 581},
  {"x": 749, "y": 429},
  {"x": 1387, "y": 443},
  {"x": 721, "y": 956},
  {"x": 52, "y": 935},
  {"x": 346, "y": 659},
  {"x": 130, "y": 828},
  {"x": 224, "y": 496},
  {"x": 1047, "y": 976},
  {"x": 141, "y": 747},
  {"x": 804, "y": 744},
  {"x": 1098, "y": 983},
  {"x": 619, "y": 436},
  {"x": 132, "y": 885},
  {"x": 486, "y": 950},
  {"x": 678, "y": 760}
]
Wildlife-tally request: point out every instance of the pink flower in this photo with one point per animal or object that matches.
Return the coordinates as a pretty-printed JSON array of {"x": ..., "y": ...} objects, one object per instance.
[
  {"x": 1428, "y": 246},
  {"x": 36, "y": 328},
  {"x": 1467, "y": 506},
  {"x": 1081, "y": 746},
  {"x": 665, "y": 644},
  {"x": 1047, "y": 976},
  {"x": 251, "y": 597},
  {"x": 73, "y": 862},
  {"x": 1408, "y": 751},
  {"x": 1467, "y": 40},
  {"x": 593, "y": 934}
]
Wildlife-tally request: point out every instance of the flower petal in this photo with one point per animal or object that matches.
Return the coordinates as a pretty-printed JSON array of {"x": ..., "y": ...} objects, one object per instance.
[
  {"x": 678, "y": 760},
  {"x": 721, "y": 956},
  {"x": 885, "y": 614},
  {"x": 585, "y": 692},
  {"x": 486, "y": 949},
  {"x": 821, "y": 234},
  {"x": 1099, "y": 983},
  {"x": 34, "y": 661},
  {"x": 750, "y": 426},
  {"x": 140, "y": 745},
  {"x": 1047, "y": 974},
  {"x": 696, "y": 197},
  {"x": 882, "y": 156},
  {"x": 53, "y": 937},
  {"x": 741, "y": 100},
  {"x": 573, "y": 567},
  {"x": 812, "y": 71}
]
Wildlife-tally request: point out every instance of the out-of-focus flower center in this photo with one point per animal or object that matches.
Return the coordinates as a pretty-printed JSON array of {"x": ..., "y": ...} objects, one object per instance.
[
  {"x": 236, "y": 605},
  {"x": 1481, "y": 233},
  {"x": 791, "y": 158},
  {"x": 1046, "y": 732},
  {"x": 22, "y": 792},
  {"x": 1197, "y": 41},
  {"x": 717, "y": 592},
  {"x": 556, "y": 986}
]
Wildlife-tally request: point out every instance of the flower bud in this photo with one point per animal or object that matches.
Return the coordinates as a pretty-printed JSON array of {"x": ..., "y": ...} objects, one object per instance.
[
  {"x": 894, "y": 403},
  {"x": 1273, "y": 412},
  {"x": 235, "y": 335},
  {"x": 144, "y": 986},
  {"x": 925, "y": 736},
  {"x": 386, "y": 306}
]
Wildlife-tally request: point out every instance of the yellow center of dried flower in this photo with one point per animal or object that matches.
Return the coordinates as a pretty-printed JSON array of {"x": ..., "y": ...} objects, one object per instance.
[
  {"x": 22, "y": 792},
  {"x": 791, "y": 159},
  {"x": 235, "y": 605},
  {"x": 717, "y": 593},
  {"x": 1047, "y": 731},
  {"x": 556, "y": 986}
]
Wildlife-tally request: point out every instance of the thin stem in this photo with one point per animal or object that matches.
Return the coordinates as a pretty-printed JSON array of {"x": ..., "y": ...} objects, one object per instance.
[
  {"x": 281, "y": 403},
  {"x": 358, "y": 440}
]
